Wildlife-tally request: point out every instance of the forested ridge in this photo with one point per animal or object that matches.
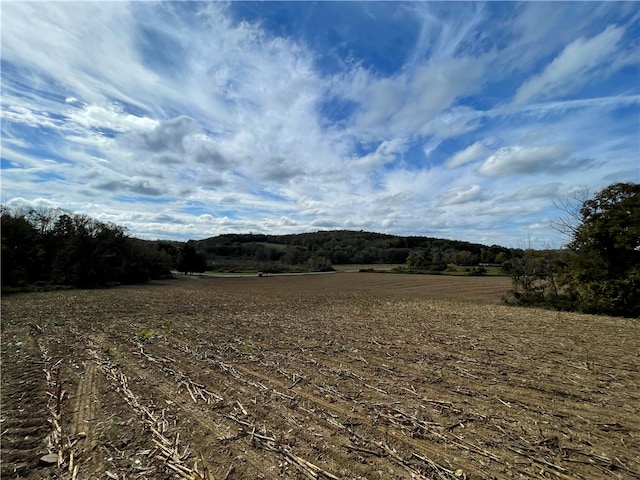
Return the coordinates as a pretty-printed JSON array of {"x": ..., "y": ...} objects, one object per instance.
[{"x": 320, "y": 250}]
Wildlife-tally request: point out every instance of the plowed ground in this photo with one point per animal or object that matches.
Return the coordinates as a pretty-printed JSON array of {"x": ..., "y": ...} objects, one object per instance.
[{"x": 354, "y": 376}]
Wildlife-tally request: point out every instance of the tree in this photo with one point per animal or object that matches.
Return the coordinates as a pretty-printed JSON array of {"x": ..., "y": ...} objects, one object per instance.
[
  {"x": 416, "y": 261},
  {"x": 570, "y": 205},
  {"x": 600, "y": 271},
  {"x": 19, "y": 249},
  {"x": 190, "y": 260},
  {"x": 49, "y": 247},
  {"x": 605, "y": 270},
  {"x": 501, "y": 258},
  {"x": 465, "y": 257}
]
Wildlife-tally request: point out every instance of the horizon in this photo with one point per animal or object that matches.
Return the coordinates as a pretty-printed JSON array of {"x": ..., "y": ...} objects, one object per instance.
[
  {"x": 520, "y": 244},
  {"x": 190, "y": 120}
]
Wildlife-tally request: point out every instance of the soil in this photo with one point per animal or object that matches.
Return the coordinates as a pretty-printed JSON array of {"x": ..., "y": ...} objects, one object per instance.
[{"x": 347, "y": 375}]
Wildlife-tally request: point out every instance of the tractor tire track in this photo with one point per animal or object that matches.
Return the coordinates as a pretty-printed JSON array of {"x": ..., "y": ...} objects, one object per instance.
[
  {"x": 84, "y": 423},
  {"x": 25, "y": 413}
]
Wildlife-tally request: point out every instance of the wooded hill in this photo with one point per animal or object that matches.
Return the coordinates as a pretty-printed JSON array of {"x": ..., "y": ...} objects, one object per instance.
[{"x": 321, "y": 250}]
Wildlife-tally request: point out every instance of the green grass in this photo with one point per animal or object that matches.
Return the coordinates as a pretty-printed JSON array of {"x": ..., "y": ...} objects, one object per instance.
[
  {"x": 395, "y": 268},
  {"x": 491, "y": 271},
  {"x": 377, "y": 267},
  {"x": 145, "y": 334}
]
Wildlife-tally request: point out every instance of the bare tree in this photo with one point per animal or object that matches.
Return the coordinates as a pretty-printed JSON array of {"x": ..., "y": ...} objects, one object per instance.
[
  {"x": 43, "y": 218},
  {"x": 570, "y": 204}
]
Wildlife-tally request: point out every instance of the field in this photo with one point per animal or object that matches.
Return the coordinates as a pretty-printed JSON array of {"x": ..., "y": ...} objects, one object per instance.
[{"x": 346, "y": 375}]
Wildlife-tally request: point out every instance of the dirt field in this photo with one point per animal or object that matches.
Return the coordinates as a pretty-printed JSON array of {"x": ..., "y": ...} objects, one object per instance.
[{"x": 351, "y": 376}]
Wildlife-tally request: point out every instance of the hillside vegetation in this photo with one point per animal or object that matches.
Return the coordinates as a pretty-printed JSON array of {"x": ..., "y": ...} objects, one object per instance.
[
  {"x": 51, "y": 248},
  {"x": 55, "y": 248},
  {"x": 320, "y": 250}
]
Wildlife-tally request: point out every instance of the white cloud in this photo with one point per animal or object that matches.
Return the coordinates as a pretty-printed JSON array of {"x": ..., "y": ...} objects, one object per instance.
[
  {"x": 539, "y": 30},
  {"x": 460, "y": 195},
  {"x": 444, "y": 38},
  {"x": 205, "y": 218},
  {"x": 572, "y": 68},
  {"x": 27, "y": 116},
  {"x": 111, "y": 116},
  {"x": 94, "y": 54},
  {"x": 177, "y": 123},
  {"x": 387, "y": 152},
  {"x": 454, "y": 121},
  {"x": 524, "y": 160},
  {"x": 19, "y": 203},
  {"x": 407, "y": 104},
  {"x": 431, "y": 146},
  {"x": 470, "y": 154}
]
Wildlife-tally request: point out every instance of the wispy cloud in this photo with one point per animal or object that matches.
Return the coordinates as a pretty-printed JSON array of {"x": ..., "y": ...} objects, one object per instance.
[
  {"x": 471, "y": 153},
  {"x": 459, "y": 195},
  {"x": 186, "y": 120},
  {"x": 574, "y": 67},
  {"x": 544, "y": 191}
]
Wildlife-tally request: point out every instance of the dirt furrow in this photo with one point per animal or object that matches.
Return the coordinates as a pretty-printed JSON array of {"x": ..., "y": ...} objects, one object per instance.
[
  {"x": 351, "y": 376},
  {"x": 25, "y": 415},
  {"x": 332, "y": 411}
]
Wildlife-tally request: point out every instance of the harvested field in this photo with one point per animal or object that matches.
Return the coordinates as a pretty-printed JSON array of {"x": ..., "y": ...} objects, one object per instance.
[{"x": 352, "y": 376}]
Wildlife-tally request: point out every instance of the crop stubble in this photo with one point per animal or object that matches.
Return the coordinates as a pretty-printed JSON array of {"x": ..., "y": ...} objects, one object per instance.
[{"x": 335, "y": 376}]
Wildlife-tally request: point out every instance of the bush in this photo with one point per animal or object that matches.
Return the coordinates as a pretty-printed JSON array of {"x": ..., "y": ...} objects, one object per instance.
[{"x": 601, "y": 271}]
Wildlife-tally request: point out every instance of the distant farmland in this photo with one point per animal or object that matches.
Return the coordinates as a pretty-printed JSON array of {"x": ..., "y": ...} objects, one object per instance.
[{"x": 489, "y": 289}]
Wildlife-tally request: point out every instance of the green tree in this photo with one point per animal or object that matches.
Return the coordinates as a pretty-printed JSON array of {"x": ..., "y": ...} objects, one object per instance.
[
  {"x": 50, "y": 247},
  {"x": 319, "y": 263},
  {"x": 605, "y": 270},
  {"x": 19, "y": 249},
  {"x": 416, "y": 261},
  {"x": 501, "y": 258},
  {"x": 190, "y": 260},
  {"x": 465, "y": 257}
]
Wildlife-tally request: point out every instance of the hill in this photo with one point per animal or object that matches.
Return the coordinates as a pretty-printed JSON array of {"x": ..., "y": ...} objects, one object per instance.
[{"x": 319, "y": 250}]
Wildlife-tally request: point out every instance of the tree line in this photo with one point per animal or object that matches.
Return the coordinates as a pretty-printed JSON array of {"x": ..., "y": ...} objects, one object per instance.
[{"x": 47, "y": 248}]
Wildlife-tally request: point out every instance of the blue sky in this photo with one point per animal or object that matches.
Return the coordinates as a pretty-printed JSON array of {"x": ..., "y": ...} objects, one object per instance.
[{"x": 188, "y": 120}]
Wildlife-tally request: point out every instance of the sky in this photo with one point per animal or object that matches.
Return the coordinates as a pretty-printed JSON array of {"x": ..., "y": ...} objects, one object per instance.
[{"x": 186, "y": 120}]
